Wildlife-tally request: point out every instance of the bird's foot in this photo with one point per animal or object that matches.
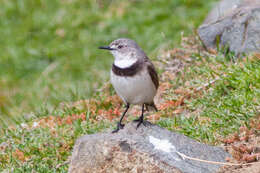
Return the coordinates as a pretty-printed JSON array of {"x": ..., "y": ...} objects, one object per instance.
[
  {"x": 140, "y": 121},
  {"x": 119, "y": 126}
]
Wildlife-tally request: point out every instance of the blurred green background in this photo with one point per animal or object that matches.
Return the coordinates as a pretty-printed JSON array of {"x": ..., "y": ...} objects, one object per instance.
[{"x": 48, "y": 48}]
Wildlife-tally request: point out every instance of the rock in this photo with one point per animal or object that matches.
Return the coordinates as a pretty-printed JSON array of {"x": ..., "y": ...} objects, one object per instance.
[
  {"x": 148, "y": 149},
  {"x": 234, "y": 24}
]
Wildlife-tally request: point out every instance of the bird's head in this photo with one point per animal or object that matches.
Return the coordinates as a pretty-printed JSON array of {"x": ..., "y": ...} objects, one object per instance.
[{"x": 123, "y": 49}]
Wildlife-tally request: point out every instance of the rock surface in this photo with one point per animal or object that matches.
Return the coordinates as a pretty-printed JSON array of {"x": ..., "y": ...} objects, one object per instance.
[
  {"x": 234, "y": 24},
  {"x": 148, "y": 149}
]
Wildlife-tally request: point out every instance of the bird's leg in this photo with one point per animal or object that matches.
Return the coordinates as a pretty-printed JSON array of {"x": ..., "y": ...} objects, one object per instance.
[
  {"x": 140, "y": 120},
  {"x": 146, "y": 108},
  {"x": 119, "y": 124},
  {"x": 151, "y": 105}
]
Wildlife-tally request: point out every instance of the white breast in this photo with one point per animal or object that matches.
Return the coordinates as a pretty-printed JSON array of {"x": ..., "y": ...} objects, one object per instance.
[
  {"x": 137, "y": 89},
  {"x": 124, "y": 63}
]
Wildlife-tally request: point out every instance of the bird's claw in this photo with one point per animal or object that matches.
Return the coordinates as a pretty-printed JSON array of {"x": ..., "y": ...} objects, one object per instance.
[
  {"x": 140, "y": 121},
  {"x": 119, "y": 126}
]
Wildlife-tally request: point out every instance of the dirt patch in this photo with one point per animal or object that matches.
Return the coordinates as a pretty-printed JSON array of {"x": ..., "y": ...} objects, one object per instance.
[{"x": 244, "y": 148}]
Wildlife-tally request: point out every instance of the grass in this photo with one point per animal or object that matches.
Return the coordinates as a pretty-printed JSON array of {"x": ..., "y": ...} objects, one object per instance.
[
  {"x": 226, "y": 106},
  {"x": 49, "y": 48},
  {"x": 51, "y": 56}
]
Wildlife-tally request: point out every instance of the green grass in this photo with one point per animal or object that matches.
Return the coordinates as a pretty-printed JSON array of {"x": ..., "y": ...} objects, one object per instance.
[
  {"x": 49, "y": 48},
  {"x": 43, "y": 148},
  {"x": 230, "y": 103}
]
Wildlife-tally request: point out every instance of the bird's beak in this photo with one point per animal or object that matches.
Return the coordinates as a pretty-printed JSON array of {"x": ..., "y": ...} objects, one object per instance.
[{"x": 106, "y": 47}]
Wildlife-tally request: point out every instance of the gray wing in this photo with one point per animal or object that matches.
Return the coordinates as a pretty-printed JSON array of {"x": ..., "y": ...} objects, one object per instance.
[{"x": 152, "y": 72}]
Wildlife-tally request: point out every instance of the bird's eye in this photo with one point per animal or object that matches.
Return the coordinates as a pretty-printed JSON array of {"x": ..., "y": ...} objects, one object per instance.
[{"x": 120, "y": 46}]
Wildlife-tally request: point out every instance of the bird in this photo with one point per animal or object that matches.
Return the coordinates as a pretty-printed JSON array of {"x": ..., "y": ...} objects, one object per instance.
[{"x": 133, "y": 77}]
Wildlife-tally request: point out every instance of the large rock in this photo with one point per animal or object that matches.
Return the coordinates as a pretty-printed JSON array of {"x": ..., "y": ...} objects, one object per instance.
[
  {"x": 234, "y": 24},
  {"x": 148, "y": 149}
]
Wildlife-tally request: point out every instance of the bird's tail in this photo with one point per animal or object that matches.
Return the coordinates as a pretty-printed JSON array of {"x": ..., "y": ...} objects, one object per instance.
[{"x": 151, "y": 106}]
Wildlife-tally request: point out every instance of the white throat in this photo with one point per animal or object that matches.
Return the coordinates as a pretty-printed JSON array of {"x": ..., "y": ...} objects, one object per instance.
[{"x": 124, "y": 63}]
